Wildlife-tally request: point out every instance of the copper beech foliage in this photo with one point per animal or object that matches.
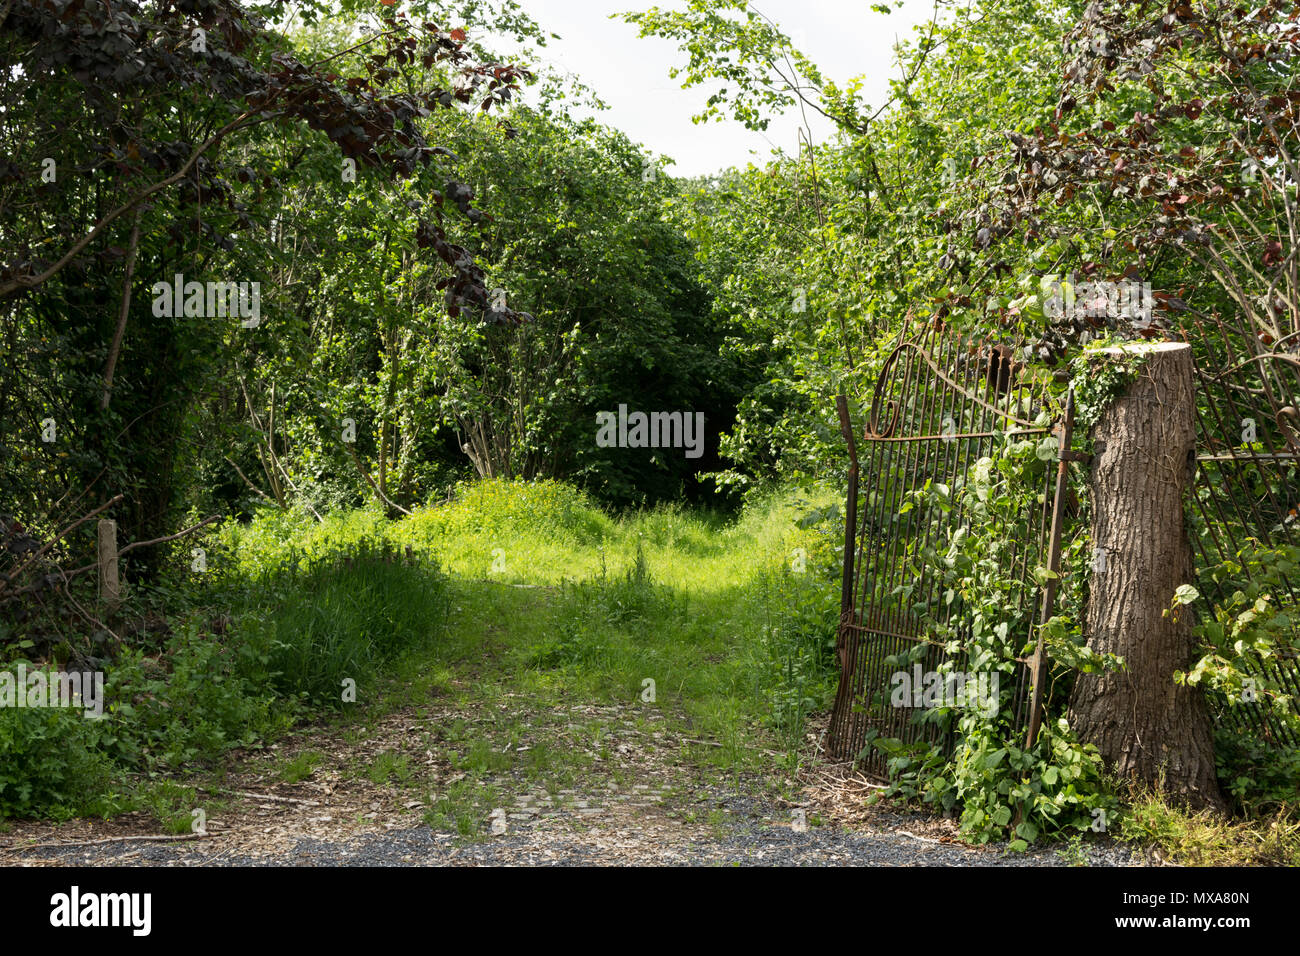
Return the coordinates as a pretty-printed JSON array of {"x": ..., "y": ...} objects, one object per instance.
[
  {"x": 1174, "y": 139},
  {"x": 127, "y": 57}
]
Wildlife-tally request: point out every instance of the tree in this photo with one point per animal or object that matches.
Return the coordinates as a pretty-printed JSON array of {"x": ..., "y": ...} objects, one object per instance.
[{"x": 126, "y": 131}]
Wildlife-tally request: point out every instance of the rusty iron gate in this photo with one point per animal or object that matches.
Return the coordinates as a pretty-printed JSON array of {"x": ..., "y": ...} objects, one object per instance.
[
  {"x": 1247, "y": 489},
  {"x": 941, "y": 403}
]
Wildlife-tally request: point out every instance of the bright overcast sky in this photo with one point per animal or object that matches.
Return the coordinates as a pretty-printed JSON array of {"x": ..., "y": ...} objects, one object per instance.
[{"x": 845, "y": 38}]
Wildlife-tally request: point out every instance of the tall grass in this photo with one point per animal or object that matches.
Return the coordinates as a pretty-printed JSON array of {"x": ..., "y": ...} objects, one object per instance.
[
  {"x": 293, "y": 614},
  {"x": 328, "y": 625}
]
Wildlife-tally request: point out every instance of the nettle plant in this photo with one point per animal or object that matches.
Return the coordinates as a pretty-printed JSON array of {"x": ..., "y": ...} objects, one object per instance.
[{"x": 987, "y": 618}]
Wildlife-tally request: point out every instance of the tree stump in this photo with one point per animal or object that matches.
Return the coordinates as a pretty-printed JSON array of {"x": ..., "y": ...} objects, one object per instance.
[{"x": 1146, "y": 726}]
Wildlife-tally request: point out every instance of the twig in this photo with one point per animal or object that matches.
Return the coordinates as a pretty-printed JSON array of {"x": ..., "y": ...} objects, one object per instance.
[
  {"x": 31, "y": 282},
  {"x": 271, "y": 796},
  {"x": 371, "y": 482},
  {"x": 49, "y": 544},
  {"x": 114, "y": 350},
  {"x": 261, "y": 796},
  {"x": 256, "y": 490},
  {"x": 171, "y": 537},
  {"x": 158, "y": 838},
  {"x": 141, "y": 544}
]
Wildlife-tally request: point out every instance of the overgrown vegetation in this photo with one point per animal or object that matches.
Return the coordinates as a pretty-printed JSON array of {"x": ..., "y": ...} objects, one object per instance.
[
  {"x": 304, "y": 607},
  {"x": 457, "y": 275}
]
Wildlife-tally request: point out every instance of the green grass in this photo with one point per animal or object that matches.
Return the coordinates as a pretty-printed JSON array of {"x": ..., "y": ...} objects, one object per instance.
[
  {"x": 712, "y": 612},
  {"x": 594, "y": 608},
  {"x": 1203, "y": 839},
  {"x": 718, "y": 616},
  {"x": 301, "y": 766},
  {"x": 390, "y": 767},
  {"x": 738, "y": 644},
  {"x": 327, "y": 624},
  {"x": 546, "y": 661},
  {"x": 541, "y": 622}
]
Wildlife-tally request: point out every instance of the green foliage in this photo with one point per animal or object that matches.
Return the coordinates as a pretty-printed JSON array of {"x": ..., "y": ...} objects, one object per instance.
[
  {"x": 753, "y": 296},
  {"x": 1098, "y": 380},
  {"x": 1204, "y": 839},
  {"x": 307, "y": 609},
  {"x": 166, "y": 165},
  {"x": 731, "y": 41},
  {"x": 317, "y": 622},
  {"x": 1005, "y": 791},
  {"x": 50, "y": 763},
  {"x": 1247, "y": 636},
  {"x": 797, "y": 669},
  {"x": 206, "y": 699},
  {"x": 1250, "y": 631},
  {"x": 632, "y": 605},
  {"x": 1259, "y": 776}
]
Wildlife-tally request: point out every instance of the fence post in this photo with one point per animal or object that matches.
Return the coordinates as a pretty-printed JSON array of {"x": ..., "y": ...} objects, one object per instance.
[
  {"x": 1145, "y": 726},
  {"x": 110, "y": 590}
]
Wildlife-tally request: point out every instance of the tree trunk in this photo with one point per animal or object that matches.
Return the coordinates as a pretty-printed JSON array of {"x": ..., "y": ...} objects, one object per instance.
[{"x": 1146, "y": 726}]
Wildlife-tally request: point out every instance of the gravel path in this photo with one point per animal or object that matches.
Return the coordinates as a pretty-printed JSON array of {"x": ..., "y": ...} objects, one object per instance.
[
  {"x": 640, "y": 802},
  {"x": 752, "y": 836}
]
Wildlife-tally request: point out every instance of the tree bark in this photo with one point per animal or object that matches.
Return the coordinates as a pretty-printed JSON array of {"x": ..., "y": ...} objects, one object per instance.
[{"x": 1147, "y": 727}]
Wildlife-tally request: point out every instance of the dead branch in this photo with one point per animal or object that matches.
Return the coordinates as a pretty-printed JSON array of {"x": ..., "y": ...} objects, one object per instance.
[
  {"x": 252, "y": 487},
  {"x": 70, "y": 528},
  {"x": 144, "y": 544},
  {"x": 155, "y": 838},
  {"x": 115, "y": 349}
]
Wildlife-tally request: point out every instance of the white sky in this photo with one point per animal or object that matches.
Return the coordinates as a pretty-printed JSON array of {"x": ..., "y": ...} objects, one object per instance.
[{"x": 845, "y": 38}]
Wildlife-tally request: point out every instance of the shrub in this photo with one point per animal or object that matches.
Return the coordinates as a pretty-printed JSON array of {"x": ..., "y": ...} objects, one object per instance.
[
  {"x": 207, "y": 697},
  {"x": 49, "y": 762}
]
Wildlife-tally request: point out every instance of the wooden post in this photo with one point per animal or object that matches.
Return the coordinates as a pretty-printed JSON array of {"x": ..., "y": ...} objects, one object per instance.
[
  {"x": 110, "y": 589},
  {"x": 1146, "y": 726}
]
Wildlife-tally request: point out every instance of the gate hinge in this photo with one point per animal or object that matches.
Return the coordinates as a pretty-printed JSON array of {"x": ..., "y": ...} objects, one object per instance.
[{"x": 1071, "y": 455}]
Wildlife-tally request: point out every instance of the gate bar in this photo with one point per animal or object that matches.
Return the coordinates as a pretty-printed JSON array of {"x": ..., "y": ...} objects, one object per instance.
[
  {"x": 1038, "y": 665},
  {"x": 850, "y": 528}
]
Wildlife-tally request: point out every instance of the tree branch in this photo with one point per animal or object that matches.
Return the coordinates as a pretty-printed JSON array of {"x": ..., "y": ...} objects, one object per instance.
[{"x": 110, "y": 365}]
